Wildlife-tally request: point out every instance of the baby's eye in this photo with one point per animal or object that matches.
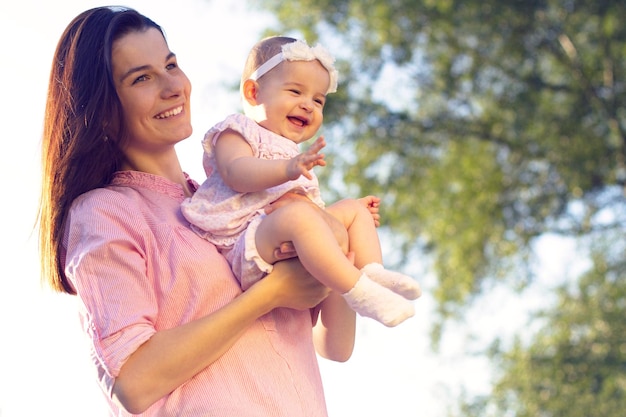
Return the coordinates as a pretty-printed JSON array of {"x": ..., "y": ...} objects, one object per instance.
[
  {"x": 293, "y": 90},
  {"x": 319, "y": 101}
]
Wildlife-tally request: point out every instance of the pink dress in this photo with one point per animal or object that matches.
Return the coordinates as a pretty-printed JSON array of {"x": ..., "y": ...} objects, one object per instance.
[
  {"x": 228, "y": 218},
  {"x": 138, "y": 268}
]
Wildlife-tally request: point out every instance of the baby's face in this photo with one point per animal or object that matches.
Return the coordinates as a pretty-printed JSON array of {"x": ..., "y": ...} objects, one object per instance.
[{"x": 292, "y": 96}]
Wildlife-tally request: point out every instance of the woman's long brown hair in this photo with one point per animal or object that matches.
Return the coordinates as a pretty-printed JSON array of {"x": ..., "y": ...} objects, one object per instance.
[{"x": 83, "y": 126}]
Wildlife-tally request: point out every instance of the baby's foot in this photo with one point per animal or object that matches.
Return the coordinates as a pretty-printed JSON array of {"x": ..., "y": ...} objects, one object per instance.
[
  {"x": 395, "y": 281},
  {"x": 370, "y": 299}
]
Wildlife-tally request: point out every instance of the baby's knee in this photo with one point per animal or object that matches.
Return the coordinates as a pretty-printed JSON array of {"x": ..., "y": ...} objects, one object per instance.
[
  {"x": 299, "y": 216},
  {"x": 297, "y": 210},
  {"x": 351, "y": 205},
  {"x": 349, "y": 210},
  {"x": 356, "y": 206},
  {"x": 305, "y": 213}
]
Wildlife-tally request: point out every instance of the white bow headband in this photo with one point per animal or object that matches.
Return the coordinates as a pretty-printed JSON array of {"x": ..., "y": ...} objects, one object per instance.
[{"x": 300, "y": 51}]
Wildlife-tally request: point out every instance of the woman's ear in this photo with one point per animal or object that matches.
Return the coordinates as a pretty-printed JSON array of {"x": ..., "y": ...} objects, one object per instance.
[{"x": 250, "y": 91}]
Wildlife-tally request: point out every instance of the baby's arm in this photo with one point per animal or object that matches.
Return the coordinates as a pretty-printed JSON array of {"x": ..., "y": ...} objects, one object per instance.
[{"x": 243, "y": 172}]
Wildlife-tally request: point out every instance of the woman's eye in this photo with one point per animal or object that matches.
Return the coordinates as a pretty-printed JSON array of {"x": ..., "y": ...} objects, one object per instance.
[
  {"x": 172, "y": 65},
  {"x": 140, "y": 79}
]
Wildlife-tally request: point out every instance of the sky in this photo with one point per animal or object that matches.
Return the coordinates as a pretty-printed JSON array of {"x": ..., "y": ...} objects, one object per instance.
[{"x": 44, "y": 368}]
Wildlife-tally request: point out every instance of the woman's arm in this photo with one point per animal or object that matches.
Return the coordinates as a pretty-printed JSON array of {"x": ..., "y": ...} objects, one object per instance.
[
  {"x": 173, "y": 356},
  {"x": 334, "y": 333}
]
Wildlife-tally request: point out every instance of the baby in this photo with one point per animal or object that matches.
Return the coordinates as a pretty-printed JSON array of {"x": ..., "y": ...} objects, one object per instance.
[{"x": 253, "y": 160}]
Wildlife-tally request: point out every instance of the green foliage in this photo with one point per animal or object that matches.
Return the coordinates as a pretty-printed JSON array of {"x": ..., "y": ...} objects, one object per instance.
[
  {"x": 481, "y": 124},
  {"x": 576, "y": 365}
]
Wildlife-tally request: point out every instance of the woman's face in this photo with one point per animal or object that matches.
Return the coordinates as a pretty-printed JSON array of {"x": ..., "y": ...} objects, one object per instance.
[{"x": 154, "y": 93}]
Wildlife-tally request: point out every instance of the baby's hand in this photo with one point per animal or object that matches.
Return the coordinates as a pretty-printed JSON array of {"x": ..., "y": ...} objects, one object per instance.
[
  {"x": 304, "y": 162},
  {"x": 372, "y": 203}
]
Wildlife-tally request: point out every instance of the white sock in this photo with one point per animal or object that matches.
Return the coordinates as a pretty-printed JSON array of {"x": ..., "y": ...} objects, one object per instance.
[
  {"x": 370, "y": 299},
  {"x": 395, "y": 281}
]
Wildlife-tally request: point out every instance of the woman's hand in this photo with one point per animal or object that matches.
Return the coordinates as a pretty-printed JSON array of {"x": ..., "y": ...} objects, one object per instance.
[{"x": 294, "y": 287}]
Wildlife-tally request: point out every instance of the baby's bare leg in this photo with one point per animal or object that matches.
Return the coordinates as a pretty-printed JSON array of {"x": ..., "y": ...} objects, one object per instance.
[
  {"x": 364, "y": 242},
  {"x": 316, "y": 243},
  {"x": 362, "y": 234},
  {"x": 313, "y": 234}
]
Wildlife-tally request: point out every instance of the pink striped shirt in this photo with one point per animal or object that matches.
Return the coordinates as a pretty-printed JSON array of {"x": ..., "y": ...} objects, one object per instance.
[{"x": 138, "y": 268}]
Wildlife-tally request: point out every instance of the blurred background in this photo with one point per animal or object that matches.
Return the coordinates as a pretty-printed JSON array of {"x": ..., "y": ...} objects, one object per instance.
[{"x": 495, "y": 134}]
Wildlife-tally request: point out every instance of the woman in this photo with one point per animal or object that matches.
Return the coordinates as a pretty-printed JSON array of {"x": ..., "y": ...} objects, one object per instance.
[{"x": 171, "y": 331}]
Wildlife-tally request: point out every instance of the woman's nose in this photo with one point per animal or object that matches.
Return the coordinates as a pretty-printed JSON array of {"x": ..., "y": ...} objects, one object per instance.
[{"x": 173, "y": 86}]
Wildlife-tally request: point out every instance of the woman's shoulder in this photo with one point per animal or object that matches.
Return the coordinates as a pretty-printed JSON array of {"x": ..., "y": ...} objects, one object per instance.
[
  {"x": 134, "y": 199},
  {"x": 107, "y": 201}
]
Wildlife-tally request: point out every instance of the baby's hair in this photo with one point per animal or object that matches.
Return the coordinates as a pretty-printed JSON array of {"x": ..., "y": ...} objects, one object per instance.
[{"x": 262, "y": 52}]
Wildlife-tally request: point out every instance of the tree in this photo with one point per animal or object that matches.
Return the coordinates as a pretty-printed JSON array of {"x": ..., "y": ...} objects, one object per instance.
[
  {"x": 575, "y": 365},
  {"x": 481, "y": 124}
]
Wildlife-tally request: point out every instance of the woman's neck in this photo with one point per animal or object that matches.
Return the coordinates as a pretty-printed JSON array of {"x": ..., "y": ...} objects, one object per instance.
[{"x": 166, "y": 166}]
